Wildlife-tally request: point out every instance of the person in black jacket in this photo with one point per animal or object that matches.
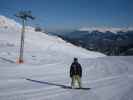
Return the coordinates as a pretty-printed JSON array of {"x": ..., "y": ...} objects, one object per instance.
[{"x": 76, "y": 73}]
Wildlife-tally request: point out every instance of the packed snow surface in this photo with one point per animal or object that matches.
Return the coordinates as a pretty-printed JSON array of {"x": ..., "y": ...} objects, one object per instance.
[{"x": 45, "y": 71}]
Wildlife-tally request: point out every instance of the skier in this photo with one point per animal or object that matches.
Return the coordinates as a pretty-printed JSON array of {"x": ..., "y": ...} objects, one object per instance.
[{"x": 76, "y": 73}]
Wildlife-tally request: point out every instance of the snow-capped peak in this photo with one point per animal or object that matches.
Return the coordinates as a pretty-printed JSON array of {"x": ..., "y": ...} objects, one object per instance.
[
  {"x": 8, "y": 23},
  {"x": 105, "y": 29}
]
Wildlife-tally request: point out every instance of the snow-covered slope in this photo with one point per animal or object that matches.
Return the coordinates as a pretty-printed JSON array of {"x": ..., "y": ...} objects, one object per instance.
[
  {"x": 8, "y": 23},
  {"x": 41, "y": 40},
  {"x": 46, "y": 70}
]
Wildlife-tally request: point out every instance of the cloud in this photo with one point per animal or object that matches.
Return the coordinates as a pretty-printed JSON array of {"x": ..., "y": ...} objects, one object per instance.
[{"x": 105, "y": 29}]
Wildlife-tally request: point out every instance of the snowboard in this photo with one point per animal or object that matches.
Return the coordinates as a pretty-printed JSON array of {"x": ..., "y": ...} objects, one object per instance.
[
  {"x": 75, "y": 86},
  {"x": 69, "y": 87}
]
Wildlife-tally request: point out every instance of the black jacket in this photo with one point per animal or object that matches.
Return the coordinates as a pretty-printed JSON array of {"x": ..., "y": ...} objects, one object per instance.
[{"x": 75, "y": 69}]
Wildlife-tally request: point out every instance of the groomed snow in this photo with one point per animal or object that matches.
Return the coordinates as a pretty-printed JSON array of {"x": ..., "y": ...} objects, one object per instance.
[{"x": 47, "y": 60}]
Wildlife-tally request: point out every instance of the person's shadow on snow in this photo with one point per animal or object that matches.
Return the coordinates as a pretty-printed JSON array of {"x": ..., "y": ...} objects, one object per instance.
[
  {"x": 54, "y": 84},
  {"x": 48, "y": 83}
]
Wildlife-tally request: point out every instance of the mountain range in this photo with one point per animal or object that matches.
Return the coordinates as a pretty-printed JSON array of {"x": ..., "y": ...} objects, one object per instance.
[
  {"x": 110, "y": 41},
  {"x": 44, "y": 75}
]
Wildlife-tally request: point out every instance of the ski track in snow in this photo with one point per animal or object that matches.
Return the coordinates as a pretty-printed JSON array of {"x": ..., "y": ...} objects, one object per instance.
[
  {"x": 104, "y": 88},
  {"x": 47, "y": 61},
  {"x": 105, "y": 76}
]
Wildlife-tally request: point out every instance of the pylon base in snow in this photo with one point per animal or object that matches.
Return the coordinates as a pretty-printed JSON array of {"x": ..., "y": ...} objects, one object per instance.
[{"x": 19, "y": 61}]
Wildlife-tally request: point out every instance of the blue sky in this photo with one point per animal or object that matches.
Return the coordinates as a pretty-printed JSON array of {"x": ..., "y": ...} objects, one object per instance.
[{"x": 73, "y": 14}]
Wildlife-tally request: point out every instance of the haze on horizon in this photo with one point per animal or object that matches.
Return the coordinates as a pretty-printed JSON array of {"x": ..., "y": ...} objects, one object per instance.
[{"x": 72, "y": 14}]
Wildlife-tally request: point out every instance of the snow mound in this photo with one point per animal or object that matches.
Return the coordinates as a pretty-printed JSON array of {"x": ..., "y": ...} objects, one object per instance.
[
  {"x": 8, "y": 23},
  {"x": 56, "y": 44},
  {"x": 39, "y": 40}
]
